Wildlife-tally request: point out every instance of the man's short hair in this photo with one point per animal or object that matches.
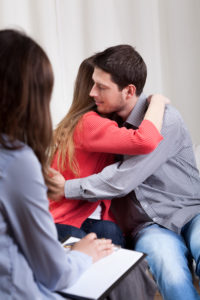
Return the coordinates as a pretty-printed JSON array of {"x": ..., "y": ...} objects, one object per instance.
[{"x": 124, "y": 64}]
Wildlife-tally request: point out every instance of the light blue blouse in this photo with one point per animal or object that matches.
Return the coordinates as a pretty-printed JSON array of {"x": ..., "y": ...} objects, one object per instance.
[{"x": 33, "y": 264}]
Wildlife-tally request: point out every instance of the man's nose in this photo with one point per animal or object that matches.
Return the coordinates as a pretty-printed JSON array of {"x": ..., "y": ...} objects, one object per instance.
[{"x": 93, "y": 92}]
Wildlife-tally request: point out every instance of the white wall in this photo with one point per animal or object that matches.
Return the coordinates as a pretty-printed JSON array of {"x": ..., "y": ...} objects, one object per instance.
[{"x": 165, "y": 32}]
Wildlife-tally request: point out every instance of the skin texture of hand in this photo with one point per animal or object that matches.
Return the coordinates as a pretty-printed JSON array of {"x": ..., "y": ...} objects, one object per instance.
[
  {"x": 57, "y": 185},
  {"x": 159, "y": 97},
  {"x": 96, "y": 248},
  {"x": 156, "y": 109}
]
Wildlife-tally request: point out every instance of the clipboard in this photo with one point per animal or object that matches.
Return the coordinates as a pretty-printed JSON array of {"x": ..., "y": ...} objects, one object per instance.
[{"x": 98, "y": 281}]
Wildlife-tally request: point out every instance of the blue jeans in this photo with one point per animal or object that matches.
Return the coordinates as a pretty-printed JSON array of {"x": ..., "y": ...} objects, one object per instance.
[
  {"x": 103, "y": 229},
  {"x": 168, "y": 255}
]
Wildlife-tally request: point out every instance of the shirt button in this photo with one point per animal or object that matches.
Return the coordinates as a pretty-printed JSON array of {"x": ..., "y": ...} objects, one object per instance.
[
  {"x": 154, "y": 219},
  {"x": 145, "y": 205}
]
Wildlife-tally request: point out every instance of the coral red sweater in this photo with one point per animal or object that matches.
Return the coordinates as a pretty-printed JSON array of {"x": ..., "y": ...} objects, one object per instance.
[{"x": 96, "y": 140}]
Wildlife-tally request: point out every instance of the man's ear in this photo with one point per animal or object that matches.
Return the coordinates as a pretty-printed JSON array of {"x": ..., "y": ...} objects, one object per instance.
[{"x": 129, "y": 91}]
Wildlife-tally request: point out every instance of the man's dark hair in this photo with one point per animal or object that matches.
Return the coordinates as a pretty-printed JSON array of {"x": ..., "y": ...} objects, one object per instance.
[{"x": 124, "y": 64}]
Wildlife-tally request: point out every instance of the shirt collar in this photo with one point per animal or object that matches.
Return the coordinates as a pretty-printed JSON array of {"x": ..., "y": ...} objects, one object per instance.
[{"x": 137, "y": 114}]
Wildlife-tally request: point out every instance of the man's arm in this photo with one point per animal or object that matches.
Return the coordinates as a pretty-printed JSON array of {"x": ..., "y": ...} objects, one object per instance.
[{"x": 116, "y": 180}]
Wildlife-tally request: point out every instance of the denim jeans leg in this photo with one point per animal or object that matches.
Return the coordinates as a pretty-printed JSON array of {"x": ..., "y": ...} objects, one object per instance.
[
  {"x": 167, "y": 256},
  {"x": 104, "y": 229},
  {"x": 191, "y": 234},
  {"x": 65, "y": 231}
]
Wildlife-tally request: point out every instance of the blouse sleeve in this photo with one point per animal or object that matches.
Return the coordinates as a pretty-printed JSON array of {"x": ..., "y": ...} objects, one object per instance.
[
  {"x": 33, "y": 227},
  {"x": 98, "y": 134}
]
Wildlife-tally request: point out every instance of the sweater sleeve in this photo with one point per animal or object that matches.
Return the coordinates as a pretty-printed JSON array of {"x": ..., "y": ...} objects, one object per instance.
[{"x": 98, "y": 134}]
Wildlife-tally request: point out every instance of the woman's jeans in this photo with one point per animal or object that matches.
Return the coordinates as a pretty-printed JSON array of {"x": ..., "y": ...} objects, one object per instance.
[
  {"x": 103, "y": 229},
  {"x": 168, "y": 255}
]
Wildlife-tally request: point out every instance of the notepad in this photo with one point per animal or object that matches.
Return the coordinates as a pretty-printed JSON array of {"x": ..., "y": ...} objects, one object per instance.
[{"x": 97, "y": 282}]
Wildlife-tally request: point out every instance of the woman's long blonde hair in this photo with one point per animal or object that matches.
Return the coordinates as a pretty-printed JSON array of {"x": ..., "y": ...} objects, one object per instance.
[{"x": 63, "y": 141}]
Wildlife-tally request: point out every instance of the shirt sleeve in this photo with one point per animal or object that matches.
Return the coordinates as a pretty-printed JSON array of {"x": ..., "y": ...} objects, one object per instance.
[
  {"x": 33, "y": 227},
  {"x": 119, "y": 179},
  {"x": 99, "y": 134}
]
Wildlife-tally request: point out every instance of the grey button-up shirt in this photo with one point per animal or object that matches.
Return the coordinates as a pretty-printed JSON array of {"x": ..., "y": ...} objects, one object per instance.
[{"x": 166, "y": 182}]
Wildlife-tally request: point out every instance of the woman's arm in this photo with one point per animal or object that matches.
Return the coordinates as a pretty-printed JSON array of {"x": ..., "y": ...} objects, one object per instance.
[
  {"x": 156, "y": 108},
  {"x": 98, "y": 134}
]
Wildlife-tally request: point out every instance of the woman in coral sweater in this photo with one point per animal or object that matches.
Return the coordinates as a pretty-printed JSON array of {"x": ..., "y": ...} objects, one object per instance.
[{"x": 84, "y": 143}]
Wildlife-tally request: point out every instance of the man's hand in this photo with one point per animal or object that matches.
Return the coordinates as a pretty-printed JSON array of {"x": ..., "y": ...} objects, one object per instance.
[{"x": 56, "y": 185}]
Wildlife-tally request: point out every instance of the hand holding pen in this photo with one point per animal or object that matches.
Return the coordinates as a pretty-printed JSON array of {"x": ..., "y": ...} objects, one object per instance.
[{"x": 94, "y": 247}]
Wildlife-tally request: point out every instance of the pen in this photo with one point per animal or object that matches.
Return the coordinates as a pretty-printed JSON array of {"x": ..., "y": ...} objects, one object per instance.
[{"x": 69, "y": 246}]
